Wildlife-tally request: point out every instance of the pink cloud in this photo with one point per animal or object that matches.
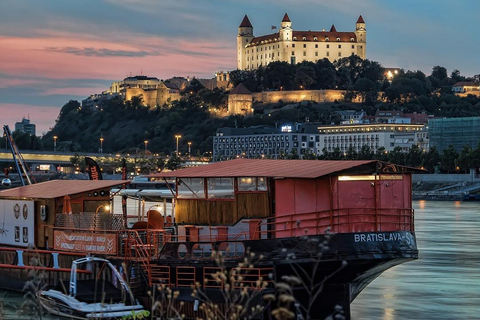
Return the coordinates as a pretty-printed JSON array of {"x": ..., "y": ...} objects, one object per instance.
[
  {"x": 71, "y": 56},
  {"x": 43, "y": 117}
]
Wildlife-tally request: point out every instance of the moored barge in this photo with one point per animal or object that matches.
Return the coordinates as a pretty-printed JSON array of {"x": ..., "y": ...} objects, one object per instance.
[{"x": 334, "y": 225}]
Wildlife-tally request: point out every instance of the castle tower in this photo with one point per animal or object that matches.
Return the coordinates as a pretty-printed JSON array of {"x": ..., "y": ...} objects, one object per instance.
[
  {"x": 285, "y": 36},
  {"x": 361, "y": 34},
  {"x": 244, "y": 37}
]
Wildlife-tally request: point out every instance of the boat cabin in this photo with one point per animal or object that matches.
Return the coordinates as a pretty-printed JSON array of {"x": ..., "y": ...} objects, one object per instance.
[
  {"x": 251, "y": 199},
  {"x": 41, "y": 215}
]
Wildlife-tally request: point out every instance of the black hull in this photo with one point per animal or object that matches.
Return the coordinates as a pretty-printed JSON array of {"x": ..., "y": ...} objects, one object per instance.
[{"x": 343, "y": 263}]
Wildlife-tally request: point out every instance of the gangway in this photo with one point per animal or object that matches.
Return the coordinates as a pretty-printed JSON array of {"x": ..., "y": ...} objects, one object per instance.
[{"x": 20, "y": 163}]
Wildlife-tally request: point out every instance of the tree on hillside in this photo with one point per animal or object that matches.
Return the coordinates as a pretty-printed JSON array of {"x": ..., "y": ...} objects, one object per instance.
[{"x": 305, "y": 76}]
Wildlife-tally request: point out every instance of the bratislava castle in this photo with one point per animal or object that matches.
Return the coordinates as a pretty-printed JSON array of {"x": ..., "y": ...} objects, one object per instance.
[{"x": 296, "y": 46}]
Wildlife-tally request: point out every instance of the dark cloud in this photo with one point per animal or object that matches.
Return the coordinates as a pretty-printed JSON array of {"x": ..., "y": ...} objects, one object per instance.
[{"x": 94, "y": 52}]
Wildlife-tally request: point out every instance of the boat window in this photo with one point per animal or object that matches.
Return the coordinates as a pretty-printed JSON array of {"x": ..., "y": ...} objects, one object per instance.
[
  {"x": 191, "y": 188},
  {"x": 252, "y": 184},
  {"x": 220, "y": 188}
]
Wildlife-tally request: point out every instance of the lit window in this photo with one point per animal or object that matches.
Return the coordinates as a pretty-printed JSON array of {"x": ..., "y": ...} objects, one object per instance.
[{"x": 338, "y": 39}]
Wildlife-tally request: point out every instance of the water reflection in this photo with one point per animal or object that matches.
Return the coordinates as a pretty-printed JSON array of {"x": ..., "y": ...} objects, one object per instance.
[{"x": 444, "y": 283}]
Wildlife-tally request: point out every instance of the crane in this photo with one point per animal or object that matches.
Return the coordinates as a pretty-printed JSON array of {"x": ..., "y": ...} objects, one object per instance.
[{"x": 20, "y": 164}]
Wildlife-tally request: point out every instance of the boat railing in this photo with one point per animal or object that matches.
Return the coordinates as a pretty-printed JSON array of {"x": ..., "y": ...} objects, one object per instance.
[
  {"x": 90, "y": 220},
  {"x": 344, "y": 220}
]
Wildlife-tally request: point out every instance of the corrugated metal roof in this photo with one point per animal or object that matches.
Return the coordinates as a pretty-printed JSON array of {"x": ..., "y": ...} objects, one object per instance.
[
  {"x": 58, "y": 188},
  {"x": 266, "y": 168}
]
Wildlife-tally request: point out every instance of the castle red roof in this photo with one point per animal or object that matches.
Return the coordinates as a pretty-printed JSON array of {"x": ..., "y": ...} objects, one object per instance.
[
  {"x": 309, "y": 36},
  {"x": 360, "y": 19},
  {"x": 245, "y": 23},
  {"x": 333, "y": 29}
]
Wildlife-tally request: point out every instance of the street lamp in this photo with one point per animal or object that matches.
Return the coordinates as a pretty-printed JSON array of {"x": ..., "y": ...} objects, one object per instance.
[
  {"x": 177, "y": 136},
  {"x": 101, "y": 143},
  {"x": 189, "y": 148},
  {"x": 55, "y": 143},
  {"x": 146, "y": 144}
]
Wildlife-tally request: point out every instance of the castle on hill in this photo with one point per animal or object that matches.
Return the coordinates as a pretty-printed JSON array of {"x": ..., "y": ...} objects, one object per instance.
[{"x": 293, "y": 47}]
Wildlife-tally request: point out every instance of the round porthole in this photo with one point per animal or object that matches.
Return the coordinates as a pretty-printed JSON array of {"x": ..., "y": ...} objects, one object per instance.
[{"x": 95, "y": 193}]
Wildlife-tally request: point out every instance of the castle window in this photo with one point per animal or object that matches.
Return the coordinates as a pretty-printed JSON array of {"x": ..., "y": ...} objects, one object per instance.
[
  {"x": 353, "y": 46},
  {"x": 293, "y": 53},
  {"x": 328, "y": 54},
  {"x": 294, "y": 38},
  {"x": 361, "y": 47},
  {"x": 316, "y": 46},
  {"x": 339, "y": 46},
  {"x": 315, "y": 39},
  {"x": 304, "y": 45},
  {"x": 304, "y": 54},
  {"x": 316, "y": 53},
  {"x": 339, "y": 54},
  {"x": 328, "y": 46},
  {"x": 351, "y": 39},
  {"x": 327, "y": 39},
  {"x": 304, "y": 38},
  {"x": 293, "y": 45},
  {"x": 338, "y": 39}
]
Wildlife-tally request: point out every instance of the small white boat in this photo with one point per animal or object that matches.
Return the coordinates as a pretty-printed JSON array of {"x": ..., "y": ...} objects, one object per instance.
[{"x": 104, "y": 295}]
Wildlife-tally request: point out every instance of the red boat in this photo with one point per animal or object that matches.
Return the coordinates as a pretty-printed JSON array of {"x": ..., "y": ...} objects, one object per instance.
[{"x": 331, "y": 226}]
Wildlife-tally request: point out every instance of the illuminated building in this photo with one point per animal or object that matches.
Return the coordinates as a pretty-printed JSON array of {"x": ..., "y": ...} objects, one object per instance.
[{"x": 293, "y": 46}]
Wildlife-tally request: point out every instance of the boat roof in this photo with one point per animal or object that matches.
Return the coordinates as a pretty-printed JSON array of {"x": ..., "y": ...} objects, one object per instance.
[
  {"x": 309, "y": 169},
  {"x": 58, "y": 188}
]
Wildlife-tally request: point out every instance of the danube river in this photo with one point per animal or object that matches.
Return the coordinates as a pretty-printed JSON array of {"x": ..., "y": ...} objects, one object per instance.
[{"x": 444, "y": 283}]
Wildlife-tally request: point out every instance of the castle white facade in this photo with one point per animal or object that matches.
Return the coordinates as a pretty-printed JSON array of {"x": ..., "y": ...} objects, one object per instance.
[{"x": 296, "y": 46}]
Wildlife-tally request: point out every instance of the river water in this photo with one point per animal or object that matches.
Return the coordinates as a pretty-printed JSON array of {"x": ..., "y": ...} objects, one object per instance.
[{"x": 444, "y": 283}]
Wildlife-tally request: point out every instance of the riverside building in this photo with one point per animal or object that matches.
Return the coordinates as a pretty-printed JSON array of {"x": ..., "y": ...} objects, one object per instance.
[
  {"x": 293, "y": 46},
  {"x": 260, "y": 142}
]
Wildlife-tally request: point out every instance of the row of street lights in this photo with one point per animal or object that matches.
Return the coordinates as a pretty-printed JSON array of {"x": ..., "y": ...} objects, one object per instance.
[{"x": 177, "y": 137}]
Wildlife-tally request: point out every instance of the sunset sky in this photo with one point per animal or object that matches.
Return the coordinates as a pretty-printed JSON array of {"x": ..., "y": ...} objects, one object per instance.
[{"x": 52, "y": 51}]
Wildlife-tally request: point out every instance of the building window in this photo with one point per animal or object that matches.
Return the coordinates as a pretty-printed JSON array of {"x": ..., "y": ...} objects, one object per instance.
[
  {"x": 328, "y": 46},
  {"x": 339, "y": 46},
  {"x": 293, "y": 53},
  {"x": 316, "y": 46},
  {"x": 316, "y": 53},
  {"x": 304, "y": 45},
  {"x": 339, "y": 54},
  {"x": 338, "y": 39},
  {"x": 294, "y": 38},
  {"x": 353, "y": 46},
  {"x": 304, "y": 54},
  {"x": 328, "y": 54},
  {"x": 293, "y": 45},
  {"x": 304, "y": 38}
]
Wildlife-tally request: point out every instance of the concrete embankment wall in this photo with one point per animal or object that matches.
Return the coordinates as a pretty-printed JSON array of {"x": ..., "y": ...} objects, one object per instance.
[{"x": 444, "y": 186}]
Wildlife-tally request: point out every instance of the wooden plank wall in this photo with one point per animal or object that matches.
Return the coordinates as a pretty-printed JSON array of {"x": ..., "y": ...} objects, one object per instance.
[{"x": 222, "y": 212}]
